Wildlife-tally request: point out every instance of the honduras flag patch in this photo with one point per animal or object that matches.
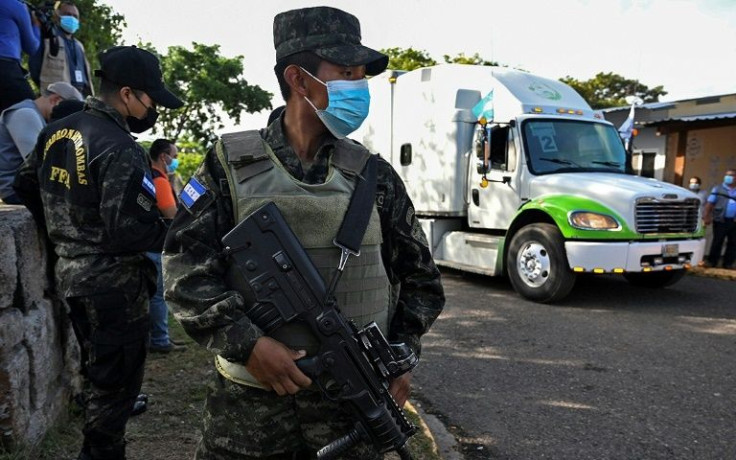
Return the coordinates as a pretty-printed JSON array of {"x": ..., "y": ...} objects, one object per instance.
[
  {"x": 192, "y": 192},
  {"x": 148, "y": 185}
]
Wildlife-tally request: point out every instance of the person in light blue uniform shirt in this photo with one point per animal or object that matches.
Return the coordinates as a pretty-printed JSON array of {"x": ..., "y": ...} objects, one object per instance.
[{"x": 720, "y": 210}]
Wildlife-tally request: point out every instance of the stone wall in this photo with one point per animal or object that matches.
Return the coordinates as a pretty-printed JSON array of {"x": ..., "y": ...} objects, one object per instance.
[{"x": 39, "y": 356}]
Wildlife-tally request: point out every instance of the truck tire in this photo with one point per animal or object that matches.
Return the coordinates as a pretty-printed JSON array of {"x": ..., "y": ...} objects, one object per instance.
[
  {"x": 537, "y": 264},
  {"x": 655, "y": 280}
]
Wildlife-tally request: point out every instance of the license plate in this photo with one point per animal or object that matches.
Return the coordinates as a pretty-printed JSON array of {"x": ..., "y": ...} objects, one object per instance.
[{"x": 670, "y": 250}]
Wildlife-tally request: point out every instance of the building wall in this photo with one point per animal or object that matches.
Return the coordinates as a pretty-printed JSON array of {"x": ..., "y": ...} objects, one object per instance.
[
  {"x": 703, "y": 106},
  {"x": 709, "y": 153},
  {"x": 648, "y": 142},
  {"x": 704, "y": 152}
]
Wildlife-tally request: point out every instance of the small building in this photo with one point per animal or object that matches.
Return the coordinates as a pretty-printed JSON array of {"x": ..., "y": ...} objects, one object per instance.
[{"x": 681, "y": 139}]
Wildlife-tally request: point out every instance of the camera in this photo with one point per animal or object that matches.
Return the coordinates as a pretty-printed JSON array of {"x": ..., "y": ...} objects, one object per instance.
[{"x": 45, "y": 15}]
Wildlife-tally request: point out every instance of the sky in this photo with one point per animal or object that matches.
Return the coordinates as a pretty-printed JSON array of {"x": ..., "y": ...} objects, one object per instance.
[{"x": 687, "y": 46}]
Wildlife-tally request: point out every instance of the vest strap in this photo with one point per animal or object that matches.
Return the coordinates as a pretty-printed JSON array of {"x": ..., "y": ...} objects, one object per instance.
[{"x": 354, "y": 224}]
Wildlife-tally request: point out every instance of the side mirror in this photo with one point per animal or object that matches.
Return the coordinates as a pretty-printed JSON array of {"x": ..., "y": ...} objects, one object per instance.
[
  {"x": 482, "y": 148},
  {"x": 405, "y": 155}
]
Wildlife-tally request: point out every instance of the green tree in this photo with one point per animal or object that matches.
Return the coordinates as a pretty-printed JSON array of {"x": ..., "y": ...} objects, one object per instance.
[
  {"x": 191, "y": 154},
  {"x": 407, "y": 58},
  {"x": 475, "y": 59},
  {"x": 610, "y": 90},
  {"x": 211, "y": 86}
]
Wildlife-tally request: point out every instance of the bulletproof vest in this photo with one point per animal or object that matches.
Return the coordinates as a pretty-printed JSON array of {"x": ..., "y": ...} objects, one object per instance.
[
  {"x": 721, "y": 204},
  {"x": 314, "y": 212}
]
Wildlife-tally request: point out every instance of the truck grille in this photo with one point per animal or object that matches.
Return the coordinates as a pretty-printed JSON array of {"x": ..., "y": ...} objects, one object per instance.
[{"x": 655, "y": 216}]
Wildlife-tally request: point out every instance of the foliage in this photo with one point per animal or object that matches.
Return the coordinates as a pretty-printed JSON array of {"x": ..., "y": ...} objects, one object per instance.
[
  {"x": 407, "y": 58},
  {"x": 610, "y": 90},
  {"x": 100, "y": 27},
  {"x": 211, "y": 85},
  {"x": 410, "y": 59},
  {"x": 188, "y": 164},
  {"x": 475, "y": 59}
]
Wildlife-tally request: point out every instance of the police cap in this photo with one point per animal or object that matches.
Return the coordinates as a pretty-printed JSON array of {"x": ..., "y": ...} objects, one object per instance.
[{"x": 138, "y": 69}]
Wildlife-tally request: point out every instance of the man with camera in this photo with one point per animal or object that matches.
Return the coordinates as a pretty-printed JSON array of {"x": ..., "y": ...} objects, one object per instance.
[{"x": 61, "y": 57}]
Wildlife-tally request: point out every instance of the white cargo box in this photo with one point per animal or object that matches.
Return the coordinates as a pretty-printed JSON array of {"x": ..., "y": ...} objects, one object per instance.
[{"x": 427, "y": 112}]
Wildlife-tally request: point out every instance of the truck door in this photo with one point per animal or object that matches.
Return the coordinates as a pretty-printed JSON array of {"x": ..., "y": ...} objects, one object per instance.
[{"x": 495, "y": 205}]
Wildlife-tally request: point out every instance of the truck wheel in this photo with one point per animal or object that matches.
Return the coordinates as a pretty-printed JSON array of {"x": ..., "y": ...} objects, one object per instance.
[
  {"x": 537, "y": 264},
  {"x": 655, "y": 279}
]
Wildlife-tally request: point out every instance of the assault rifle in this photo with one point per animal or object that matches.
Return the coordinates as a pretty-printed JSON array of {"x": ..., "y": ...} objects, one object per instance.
[{"x": 352, "y": 367}]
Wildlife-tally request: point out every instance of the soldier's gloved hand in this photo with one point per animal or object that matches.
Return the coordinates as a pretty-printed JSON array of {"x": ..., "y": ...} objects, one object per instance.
[
  {"x": 400, "y": 388},
  {"x": 272, "y": 364}
]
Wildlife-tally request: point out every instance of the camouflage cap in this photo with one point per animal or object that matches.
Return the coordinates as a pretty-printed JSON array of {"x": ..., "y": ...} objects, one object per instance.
[{"x": 330, "y": 33}]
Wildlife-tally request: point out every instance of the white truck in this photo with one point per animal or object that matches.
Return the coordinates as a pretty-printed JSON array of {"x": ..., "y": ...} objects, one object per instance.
[{"x": 537, "y": 190}]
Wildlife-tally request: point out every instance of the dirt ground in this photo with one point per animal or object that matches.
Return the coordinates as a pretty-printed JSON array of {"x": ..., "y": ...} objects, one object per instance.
[{"x": 170, "y": 428}]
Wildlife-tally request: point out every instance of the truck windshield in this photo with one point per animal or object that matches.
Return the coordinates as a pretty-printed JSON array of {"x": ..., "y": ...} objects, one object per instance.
[{"x": 572, "y": 146}]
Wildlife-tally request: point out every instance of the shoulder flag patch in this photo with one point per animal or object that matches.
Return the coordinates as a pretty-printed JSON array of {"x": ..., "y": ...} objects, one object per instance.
[
  {"x": 191, "y": 193},
  {"x": 148, "y": 185}
]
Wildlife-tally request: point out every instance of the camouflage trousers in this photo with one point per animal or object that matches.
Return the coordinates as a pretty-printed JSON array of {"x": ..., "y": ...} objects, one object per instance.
[
  {"x": 243, "y": 423},
  {"x": 112, "y": 329}
]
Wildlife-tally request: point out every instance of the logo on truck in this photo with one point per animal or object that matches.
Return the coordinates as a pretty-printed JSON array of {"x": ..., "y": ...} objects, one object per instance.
[{"x": 545, "y": 91}]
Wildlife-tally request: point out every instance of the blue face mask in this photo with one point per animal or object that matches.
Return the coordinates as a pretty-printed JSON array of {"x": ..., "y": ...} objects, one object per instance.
[
  {"x": 171, "y": 167},
  {"x": 70, "y": 24},
  {"x": 347, "y": 106},
  {"x": 728, "y": 180}
]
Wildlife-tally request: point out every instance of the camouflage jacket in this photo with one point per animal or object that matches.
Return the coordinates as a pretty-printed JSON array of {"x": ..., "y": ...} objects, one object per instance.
[
  {"x": 89, "y": 184},
  {"x": 194, "y": 264}
]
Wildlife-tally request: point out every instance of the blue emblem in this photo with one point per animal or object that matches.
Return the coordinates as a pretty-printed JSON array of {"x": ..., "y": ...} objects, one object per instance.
[
  {"x": 148, "y": 185},
  {"x": 191, "y": 193}
]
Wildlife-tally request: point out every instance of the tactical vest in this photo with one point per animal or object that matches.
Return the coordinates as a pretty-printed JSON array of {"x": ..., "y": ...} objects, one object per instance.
[
  {"x": 721, "y": 204},
  {"x": 314, "y": 212},
  {"x": 56, "y": 68}
]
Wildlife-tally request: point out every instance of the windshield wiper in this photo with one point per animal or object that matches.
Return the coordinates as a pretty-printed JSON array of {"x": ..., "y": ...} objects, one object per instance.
[
  {"x": 559, "y": 161},
  {"x": 606, "y": 163}
]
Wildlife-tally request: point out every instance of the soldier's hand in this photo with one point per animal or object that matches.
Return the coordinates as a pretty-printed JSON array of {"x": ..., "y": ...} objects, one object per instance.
[
  {"x": 400, "y": 388},
  {"x": 272, "y": 364}
]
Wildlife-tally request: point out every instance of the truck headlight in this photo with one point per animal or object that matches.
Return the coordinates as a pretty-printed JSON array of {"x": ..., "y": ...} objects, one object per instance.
[{"x": 587, "y": 220}]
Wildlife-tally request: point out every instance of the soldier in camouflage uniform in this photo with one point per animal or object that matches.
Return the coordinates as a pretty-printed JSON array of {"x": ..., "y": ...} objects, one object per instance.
[
  {"x": 89, "y": 185},
  {"x": 254, "y": 407}
]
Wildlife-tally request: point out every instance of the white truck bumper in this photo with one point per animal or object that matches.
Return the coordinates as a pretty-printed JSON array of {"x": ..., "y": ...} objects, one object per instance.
[{"x": 633, "y": 256}]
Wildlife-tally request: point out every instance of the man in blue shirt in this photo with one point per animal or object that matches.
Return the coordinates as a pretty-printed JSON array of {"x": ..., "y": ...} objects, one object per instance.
[
  {"x": 61, "y": 57},
  {"x": 721, "y": 211},
  {"x": 17, "y": 33}
]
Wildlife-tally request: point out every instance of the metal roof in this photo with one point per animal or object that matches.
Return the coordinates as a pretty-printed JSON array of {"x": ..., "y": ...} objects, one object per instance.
[
  {"x": 690, "y": 118},
  {"x": 648, "y": 105}
]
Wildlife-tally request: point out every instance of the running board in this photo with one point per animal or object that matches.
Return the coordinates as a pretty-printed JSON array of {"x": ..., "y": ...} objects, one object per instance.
[{"x": 472, "y": 252}]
